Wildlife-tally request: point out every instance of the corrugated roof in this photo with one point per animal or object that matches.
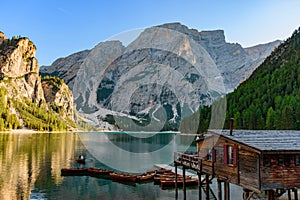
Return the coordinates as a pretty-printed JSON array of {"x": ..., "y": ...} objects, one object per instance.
[{"x": 266, "y": 140}]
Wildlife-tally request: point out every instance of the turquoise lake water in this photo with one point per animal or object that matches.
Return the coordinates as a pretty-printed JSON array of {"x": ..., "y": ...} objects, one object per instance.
[{"x": 31, "y": 163}]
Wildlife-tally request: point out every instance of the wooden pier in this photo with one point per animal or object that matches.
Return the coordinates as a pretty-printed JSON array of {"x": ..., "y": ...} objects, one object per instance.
[{"x": 261, "y": 162}]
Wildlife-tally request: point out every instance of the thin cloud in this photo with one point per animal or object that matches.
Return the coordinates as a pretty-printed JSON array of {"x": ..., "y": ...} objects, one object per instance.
[{"x": 64, "y": 11}]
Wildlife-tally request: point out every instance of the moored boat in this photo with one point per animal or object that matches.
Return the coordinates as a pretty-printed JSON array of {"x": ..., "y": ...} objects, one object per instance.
[
  {"x": 98, "y": 172},
  {"x": 123, "y": 177},
  {"x": 74, "y": 171},
  {"x": 80, "y": 160},
  {"x": 145, "y": 177}
]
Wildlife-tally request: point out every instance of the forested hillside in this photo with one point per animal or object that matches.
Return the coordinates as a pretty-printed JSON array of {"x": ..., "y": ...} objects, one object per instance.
[{"x": 270, "y": 98}]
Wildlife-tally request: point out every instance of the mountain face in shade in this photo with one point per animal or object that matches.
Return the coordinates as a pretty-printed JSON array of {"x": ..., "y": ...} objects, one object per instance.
[{"x": 167, "y": 72}]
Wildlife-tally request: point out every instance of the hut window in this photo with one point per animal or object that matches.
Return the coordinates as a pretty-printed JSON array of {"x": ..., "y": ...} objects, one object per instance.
[
  {"x": 297, "y": 160},
  {"x": 287, "y": 161},
  {"x": 230, "y": 155},
  {"x": 211, "y": 155},
  {"x": 266, "y": 161},
  {"x": 280, "y": 161}
]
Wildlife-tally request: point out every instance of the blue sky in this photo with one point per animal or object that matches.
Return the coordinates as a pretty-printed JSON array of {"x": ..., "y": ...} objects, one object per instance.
[{"x": 59, "y": 28}]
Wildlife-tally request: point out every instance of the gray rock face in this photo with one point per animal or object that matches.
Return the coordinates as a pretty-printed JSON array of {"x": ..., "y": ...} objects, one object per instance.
[
  {"x": 66, "y": 68},
  {"x": 166, "y": 73},
  {"x": 59, "y": 95},
  {"x": 234, "y": 62}
]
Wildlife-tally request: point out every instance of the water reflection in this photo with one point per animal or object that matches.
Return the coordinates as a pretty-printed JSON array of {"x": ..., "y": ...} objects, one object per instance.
[
  {"x": 133, "y": 153},
  {"x": 32, "y": 160},
  {"x": 30, "y": 167}
]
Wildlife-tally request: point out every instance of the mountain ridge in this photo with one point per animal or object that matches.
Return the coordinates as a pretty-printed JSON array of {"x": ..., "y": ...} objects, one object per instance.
[{"x": 199, "y": 56}]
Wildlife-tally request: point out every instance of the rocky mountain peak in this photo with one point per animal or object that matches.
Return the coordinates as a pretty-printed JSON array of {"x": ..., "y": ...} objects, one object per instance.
[
  {"x": 167, "y": 67},
  {"x": 19, "y": 76},
  {"x": 211, "y": 36}
]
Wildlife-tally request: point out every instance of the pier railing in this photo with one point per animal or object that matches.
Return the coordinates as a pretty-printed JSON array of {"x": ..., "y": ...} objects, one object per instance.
[{"x": 190, "y": 159}]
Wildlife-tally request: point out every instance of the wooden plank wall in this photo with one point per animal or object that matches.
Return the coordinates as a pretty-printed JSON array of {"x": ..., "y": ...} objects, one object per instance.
[
  {"x": 245, "y": 173},
  {"x": 249, "y": 168},
  {"x": 281, "y": 177}
]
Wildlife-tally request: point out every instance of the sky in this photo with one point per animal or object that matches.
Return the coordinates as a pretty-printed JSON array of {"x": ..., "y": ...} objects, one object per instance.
[{"x": 60, "y": 28}]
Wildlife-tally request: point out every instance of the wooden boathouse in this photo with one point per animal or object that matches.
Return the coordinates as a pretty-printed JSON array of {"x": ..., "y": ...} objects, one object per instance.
[{"x": 259, "y": 161}]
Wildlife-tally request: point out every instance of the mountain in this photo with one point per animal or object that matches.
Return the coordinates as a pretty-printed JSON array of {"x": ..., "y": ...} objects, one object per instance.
[
  {"x": 66, "y": 68},
  {"x": 27, "y": 100},
  {"x": 166, "y": 73},
  {"x": 270, "y": 98}
]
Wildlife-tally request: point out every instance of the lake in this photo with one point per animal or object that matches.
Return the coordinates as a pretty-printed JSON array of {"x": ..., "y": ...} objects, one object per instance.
[{"x": 31, "y": 163}]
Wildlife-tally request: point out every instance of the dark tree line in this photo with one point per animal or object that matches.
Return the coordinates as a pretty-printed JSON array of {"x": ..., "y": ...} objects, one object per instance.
[{"x": 270, "y": 98}]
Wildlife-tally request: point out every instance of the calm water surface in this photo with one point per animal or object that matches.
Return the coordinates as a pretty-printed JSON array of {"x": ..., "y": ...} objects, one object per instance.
[{"x": 30, "y": 164}]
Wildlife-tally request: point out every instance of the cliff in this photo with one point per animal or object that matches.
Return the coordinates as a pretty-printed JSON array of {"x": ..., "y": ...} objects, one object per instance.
[{"x": 22, "y": 87}]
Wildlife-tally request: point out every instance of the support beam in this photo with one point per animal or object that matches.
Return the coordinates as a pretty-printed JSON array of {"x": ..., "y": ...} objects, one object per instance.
[
  {"x": 245, "y": 194},
  {"x": 289, "y": 194},
  {"x": 199, "y": 186},
  {"x": 207, "y": 186},
  {"x": 219, "y": 189},
  {"x": 295, "y": 194},
  {"x": 226, "y": 191},
  {"x": 176, "y": 180},
  {"x": 271, "y": 195},
  {"x": 184, "y": 188},
  {"x": 228, "y": 188}
]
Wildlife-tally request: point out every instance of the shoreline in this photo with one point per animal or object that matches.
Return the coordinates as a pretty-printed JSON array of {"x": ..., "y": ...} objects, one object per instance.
[{"x": 31, "y": 131}]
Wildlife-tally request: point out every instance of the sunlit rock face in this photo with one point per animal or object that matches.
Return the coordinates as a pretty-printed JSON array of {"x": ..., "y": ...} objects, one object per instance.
[
  {"x": 19, "y": 75},
  {"x": 164, "y": 74}
]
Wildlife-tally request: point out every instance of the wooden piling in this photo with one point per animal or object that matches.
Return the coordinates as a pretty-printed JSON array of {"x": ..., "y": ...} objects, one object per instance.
[
  {"x": 271, "y": 195},
  {"x": 295, "y": 194},
  {"x": 245, "y": 194},
  {"x": 226, "y": 191},
  {"x": 176, "y": 180},
  {"x": 183, "y": 185},
  {"x": 289, "y": 194},
  {"x": 219, "y": 189},
  {"x": 199, "y": 186},
  {"x": 207, "y": 186}
]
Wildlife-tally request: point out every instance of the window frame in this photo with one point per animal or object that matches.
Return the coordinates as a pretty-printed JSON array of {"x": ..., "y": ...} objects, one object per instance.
[
  {"x": 297, "y": 160},
  {"x": 230, "y": 159}
]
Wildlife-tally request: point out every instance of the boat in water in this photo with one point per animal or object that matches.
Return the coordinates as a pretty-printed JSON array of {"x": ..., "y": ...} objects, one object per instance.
[{"x": 123, "y": 177}]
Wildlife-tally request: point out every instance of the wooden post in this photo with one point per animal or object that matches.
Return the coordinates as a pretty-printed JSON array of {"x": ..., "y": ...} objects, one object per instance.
[
  {"x": 295, "y": 194},
  {"x": 176, "y": 180},
  {"x": 219, "y": 189},
  {"x": 200, "y": 186},
  {"x": 207, "y": 186},
  {"x": 271, "y": 195},
  {"x": 228, "y": 188},
  {"x": 226, "y": 191},
  {"x": 183, "y": 185},
  {"x": 245, "y": 194}
]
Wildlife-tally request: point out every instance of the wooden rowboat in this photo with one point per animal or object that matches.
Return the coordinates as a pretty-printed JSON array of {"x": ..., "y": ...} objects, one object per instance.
[
  {"x": 80, "y": 160},
  {"x": 123, "y": 177},
  {"x": 162, "y": 171},
  {"x": 98, "y": 172},
  {"x": 74, "y": 171},
  {"x": 145, "y": 177}
]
